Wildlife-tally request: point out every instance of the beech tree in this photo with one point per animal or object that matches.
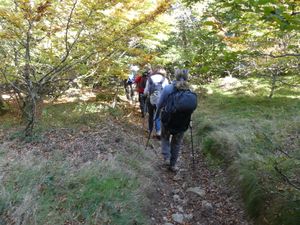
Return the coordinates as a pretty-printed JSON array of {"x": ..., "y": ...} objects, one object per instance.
[
  {"x": 46, "y": 44},
  {"x": 240, "y": 38}
]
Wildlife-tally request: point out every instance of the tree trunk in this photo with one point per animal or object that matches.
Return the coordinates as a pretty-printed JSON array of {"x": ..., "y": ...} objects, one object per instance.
[
  {"x": 29, "y": 109},
  {"x": 273, "y": 85},
  {"x": 29, "y": 114},
  {"x": 1, "y": 103}
]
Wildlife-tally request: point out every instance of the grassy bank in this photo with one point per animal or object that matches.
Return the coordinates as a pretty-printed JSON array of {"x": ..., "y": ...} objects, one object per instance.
[
  {"x": 258, "y": 139},
  {"x": 82, "y": 168}
]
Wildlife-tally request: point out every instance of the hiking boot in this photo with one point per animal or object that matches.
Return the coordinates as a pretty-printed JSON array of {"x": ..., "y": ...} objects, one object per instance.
[
  {"x": 158, "y": 134},
  {"x": 166, "y": 162},
  {"x": 174, "y": 168}
]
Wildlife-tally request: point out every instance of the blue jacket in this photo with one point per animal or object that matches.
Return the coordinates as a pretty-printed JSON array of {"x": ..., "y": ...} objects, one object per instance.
[{"x": 167, "y": 90}]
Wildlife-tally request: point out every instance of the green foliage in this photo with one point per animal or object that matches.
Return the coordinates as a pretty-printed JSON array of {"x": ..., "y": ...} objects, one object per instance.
[{"x": 239, "y": 38}]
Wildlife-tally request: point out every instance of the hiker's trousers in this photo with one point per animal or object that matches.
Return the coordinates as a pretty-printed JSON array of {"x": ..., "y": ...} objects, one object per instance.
[
  {"x": 170, "y": 145},
  {"x": 151, "y": 111},
  {"x": 142, "y": 100}
]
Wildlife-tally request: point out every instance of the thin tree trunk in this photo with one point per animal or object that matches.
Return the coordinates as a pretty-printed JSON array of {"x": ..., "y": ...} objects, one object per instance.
[
  {"x": 273, "y": 84},
  {"x": 31, "y": 98},
  {"x": 114, "y": 104},
  {"x": 1, "y": 103}
]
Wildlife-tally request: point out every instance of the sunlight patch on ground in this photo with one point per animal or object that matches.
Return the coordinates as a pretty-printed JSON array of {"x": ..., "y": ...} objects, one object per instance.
[
  {"x": 6, "y": 97},
  {"x": 229, "y": 82}
]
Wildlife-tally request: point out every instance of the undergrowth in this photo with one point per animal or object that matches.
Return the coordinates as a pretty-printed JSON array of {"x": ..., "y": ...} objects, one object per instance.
[
  {"x": 258, "y": 140},
  {"x": 55, "y": 186},
  {"x": 57, "y": 191}
]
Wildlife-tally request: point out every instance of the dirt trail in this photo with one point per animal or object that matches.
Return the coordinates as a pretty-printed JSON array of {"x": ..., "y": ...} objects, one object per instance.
[{"x": 197, "y": 194}]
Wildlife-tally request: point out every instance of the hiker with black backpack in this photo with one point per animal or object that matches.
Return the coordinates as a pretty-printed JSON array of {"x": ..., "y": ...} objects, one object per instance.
[
  {"x": 154, "y": 85},
  {"x": 175, "y": 107},
  {"x": 140, "y": 82}
]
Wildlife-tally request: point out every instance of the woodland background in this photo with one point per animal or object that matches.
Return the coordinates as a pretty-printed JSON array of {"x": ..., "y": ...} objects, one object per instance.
[{"x": 243, "y": 57}]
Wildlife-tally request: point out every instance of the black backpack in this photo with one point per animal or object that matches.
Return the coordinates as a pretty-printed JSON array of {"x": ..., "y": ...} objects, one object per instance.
[{"x": 176, "y": 115}]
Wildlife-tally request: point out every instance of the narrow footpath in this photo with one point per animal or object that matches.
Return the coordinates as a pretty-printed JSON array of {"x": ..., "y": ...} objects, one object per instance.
[{"x": 197, "y": 194}]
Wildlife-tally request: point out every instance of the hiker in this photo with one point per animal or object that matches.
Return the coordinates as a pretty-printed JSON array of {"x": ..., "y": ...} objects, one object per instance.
[
  {"x": 154, "y": 85},
  {"x": 141, "y": 81},
  {"x": 176, "y": 104},
  {"x": 128, "y": 83},
  {"x": 128, "y": 86}
]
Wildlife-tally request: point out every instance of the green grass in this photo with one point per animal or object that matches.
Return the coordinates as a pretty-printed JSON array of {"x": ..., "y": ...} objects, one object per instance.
[
  {"x": 40, "y": 191},
  {"x": 65, "y": 115},
  {"x": 251, "y": 134},
  {"x": 76, "y": 114}
]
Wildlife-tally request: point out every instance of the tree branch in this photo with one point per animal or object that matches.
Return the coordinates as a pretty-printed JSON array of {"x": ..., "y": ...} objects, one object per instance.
[
  {"x": 290, "y": 85},
  {"x": 281, "y": 56},
  {"x": 284, "y": 177},
  {"x": 68, "y": 25},
  {"x": 295, "y": 13},
  {"x": 60, "y": 66}
]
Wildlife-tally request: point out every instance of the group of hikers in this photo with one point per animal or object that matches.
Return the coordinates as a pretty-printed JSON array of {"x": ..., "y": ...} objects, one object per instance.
[{"x": 169, "y": 106}]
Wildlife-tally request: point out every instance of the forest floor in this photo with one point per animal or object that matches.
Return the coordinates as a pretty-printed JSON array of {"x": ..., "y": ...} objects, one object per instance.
[{"x": 198, "y": 193}]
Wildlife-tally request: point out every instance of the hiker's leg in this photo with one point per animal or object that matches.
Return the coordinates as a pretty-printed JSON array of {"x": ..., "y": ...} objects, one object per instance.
[
  {"x": 175, "y": 147},
  {"x": 157, "y": 124},
  {"x": 126, "y": 89},
  {"x": 165, "y": 143},
  {"x": 151, "y": 115},
  {"x": 142, "y": 103},
  {"x": 145, "y": 109},
  {"x": 131, "y": 91}
]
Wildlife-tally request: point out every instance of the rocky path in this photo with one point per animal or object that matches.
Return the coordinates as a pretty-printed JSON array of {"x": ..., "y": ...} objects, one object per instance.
[{"x": 197, "y": 194}]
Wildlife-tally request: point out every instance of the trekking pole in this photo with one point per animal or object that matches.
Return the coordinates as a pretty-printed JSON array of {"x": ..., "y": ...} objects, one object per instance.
[
  {"x": 192, "y": 143},
  {"x": 148, "y": 140}
]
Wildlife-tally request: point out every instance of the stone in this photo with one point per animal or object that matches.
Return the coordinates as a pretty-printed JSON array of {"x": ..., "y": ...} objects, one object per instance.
[
  {"x": 188, "y": 216},
  {"x": 207, "y": 207},
  {"x": 180, "y": 209},
  {"x": 178, "y": 218},
  {"x": 175, "y": 191},
  {"x": 197, "y": 190},
  {"x": 176, "y": 198},
  {"x": 177, "y": 178}
]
